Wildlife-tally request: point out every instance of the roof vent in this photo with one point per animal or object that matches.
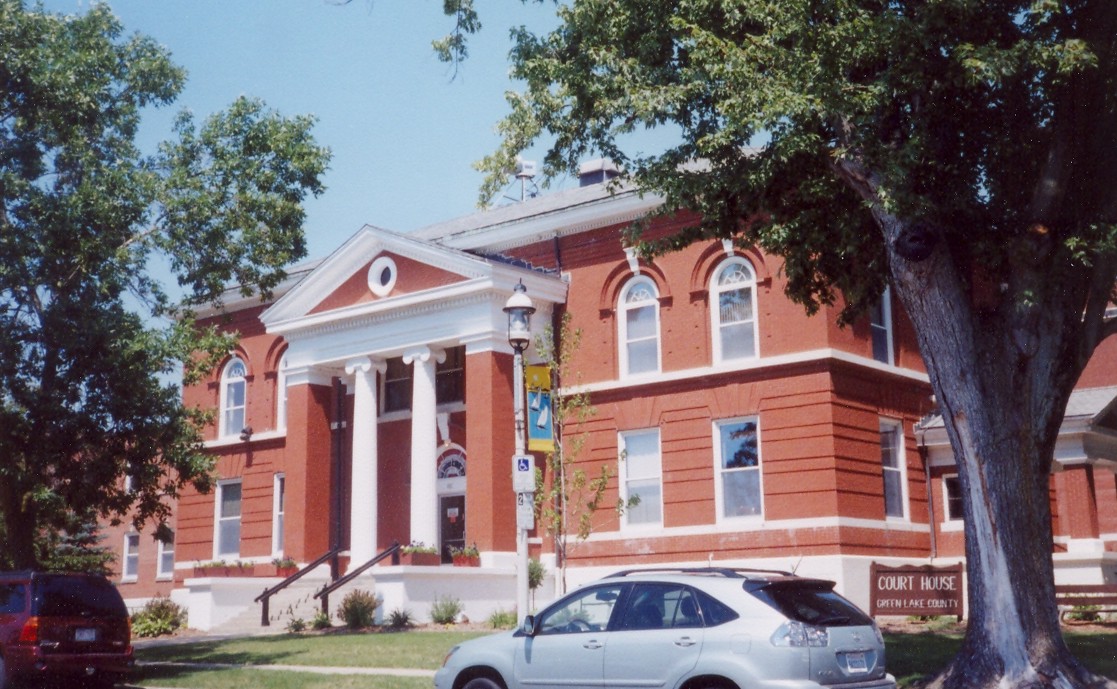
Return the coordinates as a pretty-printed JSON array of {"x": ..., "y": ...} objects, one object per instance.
[{"x": 597, "y": 172}]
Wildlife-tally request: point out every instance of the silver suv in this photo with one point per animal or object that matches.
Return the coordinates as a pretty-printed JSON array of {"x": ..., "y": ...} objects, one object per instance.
[{"x": 682, "y": 629}]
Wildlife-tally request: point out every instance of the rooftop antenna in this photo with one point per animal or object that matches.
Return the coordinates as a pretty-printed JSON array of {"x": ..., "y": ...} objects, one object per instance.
[{"x": 525, "y": 172}]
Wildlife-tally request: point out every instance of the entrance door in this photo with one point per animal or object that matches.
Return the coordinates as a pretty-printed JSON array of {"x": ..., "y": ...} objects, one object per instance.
[{"x": 451, "y": 509}]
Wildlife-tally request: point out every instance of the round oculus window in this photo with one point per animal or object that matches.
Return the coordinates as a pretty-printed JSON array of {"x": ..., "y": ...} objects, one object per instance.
[{"x": 382, "y": 276}]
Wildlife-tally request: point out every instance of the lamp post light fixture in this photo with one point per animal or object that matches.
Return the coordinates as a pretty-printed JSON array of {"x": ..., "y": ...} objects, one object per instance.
[{"x": 519, "y": 309}]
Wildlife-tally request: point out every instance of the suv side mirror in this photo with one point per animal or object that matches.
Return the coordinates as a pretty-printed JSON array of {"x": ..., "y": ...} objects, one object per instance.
[{"x": 528, "y": 627}]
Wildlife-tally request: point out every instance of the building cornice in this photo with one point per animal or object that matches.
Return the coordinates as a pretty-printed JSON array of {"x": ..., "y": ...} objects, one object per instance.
[{"x": 758, "y": 364}]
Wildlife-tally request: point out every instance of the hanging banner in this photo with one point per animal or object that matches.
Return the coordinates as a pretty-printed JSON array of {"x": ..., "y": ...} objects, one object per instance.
[{"x": 540, "y": 429}]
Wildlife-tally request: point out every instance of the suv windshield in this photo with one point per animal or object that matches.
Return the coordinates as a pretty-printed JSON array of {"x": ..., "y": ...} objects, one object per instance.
[
  {"x": 810, "y": 602},
  {"x": 61, "y": 596}
]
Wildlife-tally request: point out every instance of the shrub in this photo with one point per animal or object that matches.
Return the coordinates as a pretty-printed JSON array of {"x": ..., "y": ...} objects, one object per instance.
[
  {"x": 296, "y": 624},
  {"x": 400, "y": 619},
  {"x": 535, "y": 574},
  {"x": 159, "y": 616},
  {"x": 321, "y": 620},
  {"x": 1084, "y": 613},
  {"x": 501, "y": 619},
  {"x": 445, "y": 610},
  {"x": 358, "y": 609}
]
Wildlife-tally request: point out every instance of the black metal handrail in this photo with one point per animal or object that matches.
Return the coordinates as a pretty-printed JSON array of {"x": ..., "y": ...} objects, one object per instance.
[
  {"x": 265, "y": 597},
  {"x": 352, "y": 574}
]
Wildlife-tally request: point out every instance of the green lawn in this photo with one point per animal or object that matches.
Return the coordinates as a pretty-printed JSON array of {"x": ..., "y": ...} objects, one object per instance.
[
  {"x": 420, "y": 649},
  {"x": 911, "y": 656}
]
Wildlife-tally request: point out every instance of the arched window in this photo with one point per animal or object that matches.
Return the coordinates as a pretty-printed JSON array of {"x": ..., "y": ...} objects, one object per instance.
[
  {"x": 733, "y": 309},
  {"x": 234, "y": 388},
  {"x": 281, "y": 395},
  {"x": 639, "y": 327}
]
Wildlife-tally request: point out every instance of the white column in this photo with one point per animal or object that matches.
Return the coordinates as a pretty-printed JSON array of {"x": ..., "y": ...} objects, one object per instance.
[
  {"x": 362, "y": 501},
  {"x": 424, "y": 443}
]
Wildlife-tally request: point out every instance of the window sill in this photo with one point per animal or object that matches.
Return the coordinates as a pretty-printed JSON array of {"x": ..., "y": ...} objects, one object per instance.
[{"x": 231, "y": 440}]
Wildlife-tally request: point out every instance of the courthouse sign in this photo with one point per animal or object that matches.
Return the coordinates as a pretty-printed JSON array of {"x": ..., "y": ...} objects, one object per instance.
[{"x": 915, "y": 590}]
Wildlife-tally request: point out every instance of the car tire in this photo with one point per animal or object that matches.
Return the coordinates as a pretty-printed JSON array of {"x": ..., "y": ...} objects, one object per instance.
[{"x": 482, "y": 683}]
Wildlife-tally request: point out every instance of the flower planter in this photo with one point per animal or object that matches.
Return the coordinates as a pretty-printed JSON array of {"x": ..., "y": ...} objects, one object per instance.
[
  {"x": 467, "y": 561},
  {"x": 420, "y": 559},
  {"x": 225, "y": 571}
]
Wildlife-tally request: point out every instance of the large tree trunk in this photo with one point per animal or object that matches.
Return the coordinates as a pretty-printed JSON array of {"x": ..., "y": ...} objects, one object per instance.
[
  {"x": 1002, "y": 377},
  {"x": 18, "y": 528}
]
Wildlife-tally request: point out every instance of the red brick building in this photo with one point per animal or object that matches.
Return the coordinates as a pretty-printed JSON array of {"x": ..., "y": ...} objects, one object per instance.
[{"x": 371, "y": 402}]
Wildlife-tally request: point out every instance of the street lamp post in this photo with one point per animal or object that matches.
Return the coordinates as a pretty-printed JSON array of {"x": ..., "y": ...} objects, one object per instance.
[{"x": 519, "y": 309}]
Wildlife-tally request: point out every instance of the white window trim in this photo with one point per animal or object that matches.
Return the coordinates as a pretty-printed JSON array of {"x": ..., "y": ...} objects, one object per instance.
[
  {"x": 125, "y": 575},
  {"x": 622, "y": 326},
  {"x": 221, "y": 484},
  {"x": 622, "y": 473},
  {"x": 886, "y": 316},
  {"x": 223, "y": 431},
  {"x": 719, "y": 490},
  {"x": 896, "y": 427},
  {"x": 276, "y": 543},
  {"x": 160, "y": 573},
  {"x": 375, "y": 272},
  {"x": 715, "y": 308}
]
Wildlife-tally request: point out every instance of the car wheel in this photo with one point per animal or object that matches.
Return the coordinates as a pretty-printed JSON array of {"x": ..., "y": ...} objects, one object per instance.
[{"x": 482, "y": 683}]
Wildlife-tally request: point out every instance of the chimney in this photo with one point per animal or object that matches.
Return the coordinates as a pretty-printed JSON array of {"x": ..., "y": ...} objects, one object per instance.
[{"x": 597, "y": 172}]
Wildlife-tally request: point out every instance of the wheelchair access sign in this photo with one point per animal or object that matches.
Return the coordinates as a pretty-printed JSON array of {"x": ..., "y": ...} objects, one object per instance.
[{"x": 523, "y": 473}]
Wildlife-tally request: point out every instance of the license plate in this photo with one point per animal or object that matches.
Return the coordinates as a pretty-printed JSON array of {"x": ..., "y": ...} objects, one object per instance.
[
  {"x": 85, "y": 634},
  {"x": 856, "y": 662}
]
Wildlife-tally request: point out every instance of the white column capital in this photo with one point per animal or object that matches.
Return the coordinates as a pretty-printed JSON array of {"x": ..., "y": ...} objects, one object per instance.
[
  {"x": 364, "y": 364},
  {"x": 423, "y": 354}
]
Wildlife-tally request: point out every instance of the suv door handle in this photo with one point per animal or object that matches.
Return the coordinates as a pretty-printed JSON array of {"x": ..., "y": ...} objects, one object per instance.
[
  {"x": 685, "y": 641},
  {"x": 593, "y": 644}
]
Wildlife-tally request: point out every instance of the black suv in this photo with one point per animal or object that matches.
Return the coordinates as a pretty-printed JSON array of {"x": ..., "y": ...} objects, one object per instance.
[{"x": 71, "y": 626}]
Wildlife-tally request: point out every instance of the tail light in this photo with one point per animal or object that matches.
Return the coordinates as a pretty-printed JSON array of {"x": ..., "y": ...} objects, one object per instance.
[
  {"x": 30, "y": 632},
  {"x": 799, "y": 635}
]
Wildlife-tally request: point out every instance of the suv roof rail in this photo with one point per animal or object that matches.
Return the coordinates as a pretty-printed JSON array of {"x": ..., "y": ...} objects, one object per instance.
[{"x": 729, "y": 572}]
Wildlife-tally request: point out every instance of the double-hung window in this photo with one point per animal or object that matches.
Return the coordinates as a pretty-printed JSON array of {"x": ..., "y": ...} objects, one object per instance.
[
  {"x": 234, "y": 387},
  {"x": 639, "y": 327},
  {"x": 166, "y": 566},
  {"x": 131, "y": 565},
  {"x": 641, "y": 478},
  {"x": 227, "y": 542},
  {"x": 733, "y": 309},
  {"x": 894, "y": 469},
  {"x": 738, "y": 489},
  {"x": 880, "y": 319},
  {"x": 279, "y": 489},
  {"x": 397, "y": 385},
  {"x": 952, "y": 497}
]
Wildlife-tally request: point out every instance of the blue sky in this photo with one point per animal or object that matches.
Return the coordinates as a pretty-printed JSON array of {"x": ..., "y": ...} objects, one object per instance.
[{"x": 403, "y": 132}]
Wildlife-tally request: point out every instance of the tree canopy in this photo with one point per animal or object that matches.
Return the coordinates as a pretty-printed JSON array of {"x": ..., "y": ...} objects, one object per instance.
[
  {"x": 959, "y": 151},
  {"x": 104, "y": 251}
]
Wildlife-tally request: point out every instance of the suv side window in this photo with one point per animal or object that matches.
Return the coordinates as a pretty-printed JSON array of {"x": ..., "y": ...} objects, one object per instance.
[
  {"x": 13, "y": 598},
  {"x": 671, "y": 606},
  {"x": 588, "y": 612},
  {"x": 714, "y": 612}
]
